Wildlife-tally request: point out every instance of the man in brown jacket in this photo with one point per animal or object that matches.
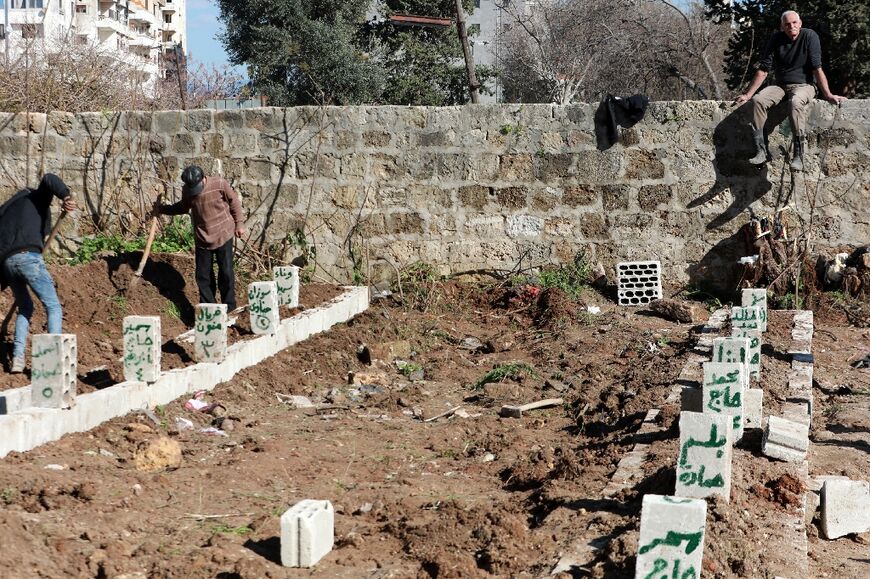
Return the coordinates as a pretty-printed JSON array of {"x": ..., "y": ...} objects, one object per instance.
[{"x": 216, "y": 213}]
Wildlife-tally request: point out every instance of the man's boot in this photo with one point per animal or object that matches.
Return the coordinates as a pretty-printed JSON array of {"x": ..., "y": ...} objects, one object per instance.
[
  {"x": 760, "y": 157},
  {"x": 797, "y": 154}
]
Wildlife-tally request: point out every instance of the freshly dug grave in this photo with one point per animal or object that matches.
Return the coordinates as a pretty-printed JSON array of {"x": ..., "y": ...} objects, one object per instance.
[{"x": 471, "y": 494}]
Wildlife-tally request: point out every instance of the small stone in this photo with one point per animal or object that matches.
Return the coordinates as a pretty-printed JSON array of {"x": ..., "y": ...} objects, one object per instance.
[
  {"x": 54, "y": 467},
  {"x": 363, "y": 509},
  {"x": 137, "y": 489},
  {"x": 160, "y": 454},
  {"x": 488, "y": 457}
]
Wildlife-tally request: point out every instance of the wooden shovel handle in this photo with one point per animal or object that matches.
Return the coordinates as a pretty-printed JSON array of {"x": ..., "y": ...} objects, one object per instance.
[
  {"x": 53, "y": 232},
  {"x": 147, "y": 250}
]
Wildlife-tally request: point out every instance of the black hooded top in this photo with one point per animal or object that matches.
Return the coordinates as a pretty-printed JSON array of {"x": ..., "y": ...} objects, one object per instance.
[{"x": 25, "y": 219}]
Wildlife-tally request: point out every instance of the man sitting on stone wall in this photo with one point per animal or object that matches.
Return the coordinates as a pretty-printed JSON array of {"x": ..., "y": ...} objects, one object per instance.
[{"x": 795, "y": 55}]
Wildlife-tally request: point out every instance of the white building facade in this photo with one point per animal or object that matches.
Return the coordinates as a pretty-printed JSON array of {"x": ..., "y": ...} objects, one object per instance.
[{"x": 145, "y": 34}]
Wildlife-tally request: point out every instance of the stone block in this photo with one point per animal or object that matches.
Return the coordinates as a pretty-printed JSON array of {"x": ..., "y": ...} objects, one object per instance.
[
  {"x": 845, "y": 508},
  {"x": 287, "y": 281},
  {"x": 671, "y": 542},
  {"x": 263, "y": 306},
  {"x": 307, "y": 533},
  {"x": 704, "y": 463},
  {"x": 142, "y": 347},
  {"x": 754, "y": 352},
  {"x": 753, "y": 401},
  {"x": 15, "y": 399},
  {"x": 210, "y": 332},
  {"x": 54, "y": 362},
  {"x": 523, "y": 226},
  {"x": 785, "y": 440},
  {"x": 732, "y": 350},
  {"x": 14, "y": 429},
  {"x": 638, "y": 282},
  {"x": 722, "y": 389},
  {"x": 746, "y": 318},
  {"x": 758, "y": 298}
]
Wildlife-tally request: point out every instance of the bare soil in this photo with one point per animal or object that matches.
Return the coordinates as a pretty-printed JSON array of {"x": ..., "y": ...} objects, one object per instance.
[{"x": 470, "y": 494}]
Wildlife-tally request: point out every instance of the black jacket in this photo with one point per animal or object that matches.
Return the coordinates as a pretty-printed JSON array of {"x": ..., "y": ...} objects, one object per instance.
[{"x": 25, "y": 219}]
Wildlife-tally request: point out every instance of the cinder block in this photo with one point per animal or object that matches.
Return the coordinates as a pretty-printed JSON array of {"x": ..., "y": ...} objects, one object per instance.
[
  {"x": 785, "y": 440},
  {"x": 704, "y": 463},
  {"x": 307, "y": 533},
  {"x": 746, "y": 318},
  {"x": 753, "y": 399},
  {"x": 263, "y": 307},
  {"x": 638, "y": 282},
  {"x": 54, "y": 370},
  {"x": 814, "y": 494},
  {"x": 753, "y": 353},
  {"x": 287, "y": 281},
  {"x": 671, "y": 540},
  {"x": 722, "y": 391},
  {"x": 14, "y": 429},
  {"x": 15, "y": 399},
  {"x": 210, "y": 332},
  {"x": 756, "y": 297},
  {"x": 142, "y": 347},
  {"x": 845, "y": 508}
]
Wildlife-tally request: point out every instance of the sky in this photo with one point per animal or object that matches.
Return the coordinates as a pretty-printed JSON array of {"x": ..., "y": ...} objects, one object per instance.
[{"x": 202, "y": 28}]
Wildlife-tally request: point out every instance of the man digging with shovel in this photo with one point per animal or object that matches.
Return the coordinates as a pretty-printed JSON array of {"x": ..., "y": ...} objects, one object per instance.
[
  {"x": 25, "y": 222},
  {"x": 216, "y": 213}
]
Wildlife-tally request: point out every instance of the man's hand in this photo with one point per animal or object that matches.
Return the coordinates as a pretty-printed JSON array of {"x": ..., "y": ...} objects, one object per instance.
[
  {"x": 240, "y": 231},
  {"x": 835, "y": 99},
  {"x": 742, "y": 99},
  {"x": 69, "y": 204}
]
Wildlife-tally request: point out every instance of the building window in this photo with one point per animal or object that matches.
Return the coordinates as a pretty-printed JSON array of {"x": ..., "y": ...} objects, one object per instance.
[
  {"x": 81, "y": 8},
  {"x": 2, "y": 31},
  {"x": 477, "y": 3},
  {"x": 167, "y": 18}
]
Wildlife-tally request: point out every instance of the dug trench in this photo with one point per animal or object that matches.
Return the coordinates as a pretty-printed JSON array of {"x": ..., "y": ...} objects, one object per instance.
[{"x": 469, "y": 494}]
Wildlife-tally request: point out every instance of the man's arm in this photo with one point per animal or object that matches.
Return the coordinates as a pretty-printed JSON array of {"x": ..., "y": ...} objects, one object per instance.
[
  {"x": 757, "y": 81},
  {"x": 232, "y": 199},
  {"x": 822, "y": 81},
  {"x": 179, "y": 208}
]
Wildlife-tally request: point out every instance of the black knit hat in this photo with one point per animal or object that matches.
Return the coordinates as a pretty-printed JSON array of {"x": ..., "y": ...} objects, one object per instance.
[
  {"x": 192, "y": 177},
  {"x": 51, "y": 184}
]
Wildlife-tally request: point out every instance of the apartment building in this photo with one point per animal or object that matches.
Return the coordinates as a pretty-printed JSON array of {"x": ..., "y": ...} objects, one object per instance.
[{"x": 146, "y": 34}]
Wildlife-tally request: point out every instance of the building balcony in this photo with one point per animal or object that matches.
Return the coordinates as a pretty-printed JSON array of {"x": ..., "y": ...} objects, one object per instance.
[
  {"x": 108, "y": 23},
  {"x": 169, "y": 9}
]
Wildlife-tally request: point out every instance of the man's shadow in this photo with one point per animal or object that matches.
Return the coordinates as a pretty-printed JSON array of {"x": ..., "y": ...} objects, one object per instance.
[
  {"x": 734, "y": 146},
  {"x": 164, "y": 277}
]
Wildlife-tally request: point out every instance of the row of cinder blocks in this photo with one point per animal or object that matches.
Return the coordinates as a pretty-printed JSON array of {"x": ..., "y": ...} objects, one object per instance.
[{"x": 24, "y": 428}]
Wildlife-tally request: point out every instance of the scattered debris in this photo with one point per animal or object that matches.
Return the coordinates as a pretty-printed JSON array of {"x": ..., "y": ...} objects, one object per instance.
[
  {"x": 510, "y": 411},
  {"x": 445, "y": 414},
  {"x": 54, "y": 467},
  {"x": 183, "y": 423},
  {"x": 594, "y": 310},
  {"x": 364, "y": 355},
  {"x": 294, "y": 400},
  {"x": 213, "y": 431},
  {"x": 862, "y": 362},
  {"x": 678, "y": 311}
]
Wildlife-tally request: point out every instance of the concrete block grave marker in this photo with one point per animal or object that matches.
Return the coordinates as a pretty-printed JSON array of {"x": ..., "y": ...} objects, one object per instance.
[
  {"x": 845, "y": 507},
  {"x": 786, "y": 439},
  {"x": 704, "y": 463},
  {"x": 263, "y": 306},
  {"x": 755, "y": 297},
  {"x": 54, "y": 362},
  {"x": 142, "y": 342},
  {"x": 307, "y": 533},
  {"x": 753, "y": 399},
  {"x": 210, "y": 332},
  {"x": 746, "y": 318},
  {"x": 722, "y": 390},
  {"x": 733, "y": 350},
  {"x": 287, "y": 279},
  {"x": 671, "y": 540},
  {"x": 638, "y": 282},
  {"x": 754, "y": 356}
]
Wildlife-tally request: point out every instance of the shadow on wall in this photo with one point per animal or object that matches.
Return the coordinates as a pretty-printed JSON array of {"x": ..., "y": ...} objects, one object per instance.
[{"x": 734, "y": 145}]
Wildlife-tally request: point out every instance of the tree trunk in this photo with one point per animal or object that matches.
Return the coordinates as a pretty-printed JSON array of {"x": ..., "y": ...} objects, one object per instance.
[{"x": 473, "y": 85}]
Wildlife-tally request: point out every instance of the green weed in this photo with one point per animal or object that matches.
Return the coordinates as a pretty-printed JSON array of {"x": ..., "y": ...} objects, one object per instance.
[
  {"x": 175, "y": 237},
  {"x": 9, "y": 495},
  {"x": 500, "y": 373},
  {"x": 172, "y": 310},
  {"x": 409, "y": 368},
  {"x": 230, "y": 530},
  {"x": 572, "y": 278}
]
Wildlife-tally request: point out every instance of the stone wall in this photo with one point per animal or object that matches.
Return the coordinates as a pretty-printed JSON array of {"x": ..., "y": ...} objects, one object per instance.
[{"x": 465, "y": 188}]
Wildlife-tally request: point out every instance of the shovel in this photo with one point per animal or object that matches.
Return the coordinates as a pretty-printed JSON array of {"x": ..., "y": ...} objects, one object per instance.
[{"x": 511, "y": 411}]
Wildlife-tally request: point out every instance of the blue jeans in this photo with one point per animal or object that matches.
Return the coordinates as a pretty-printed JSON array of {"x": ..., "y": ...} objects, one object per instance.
[{"x": 28, "y": 269}]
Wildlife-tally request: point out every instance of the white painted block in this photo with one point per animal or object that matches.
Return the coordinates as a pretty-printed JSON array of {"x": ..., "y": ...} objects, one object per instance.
[
  {"x": 14, "y": 428},
  {"x": 753, "y": 402},
  {"x": 785, "y": 439},
  {"x": 845, "y": 508},
  {"x": 638, "y": 282},
  {"x": 287, "y": 281},
  {"x": 722, "y": 390},
  {"x": 263, "y": 307},
  {"x": 142, "y": 342},
  {"x": 307, "y": 533},
  {"x": 704, "y": 463},
  {"x": 741, "y": 349},
  {"x": 210, "y": 332},
  {"x": 15, "y": 399},
  {"x": 756, "y": 297},
  {"x": 671, "y": 540},
  {"x": 747, "y": 318},
  {"x": 54, "y": 364}
]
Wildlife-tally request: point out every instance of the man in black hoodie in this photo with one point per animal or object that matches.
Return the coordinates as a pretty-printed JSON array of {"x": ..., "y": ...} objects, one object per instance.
[{"x": 25, "y": 222}]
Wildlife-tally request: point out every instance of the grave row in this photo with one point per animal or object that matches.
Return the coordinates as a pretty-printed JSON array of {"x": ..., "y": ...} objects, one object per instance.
[
  {"x": 54, "y": 356},
  {"x": 672, "y": 528}
]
